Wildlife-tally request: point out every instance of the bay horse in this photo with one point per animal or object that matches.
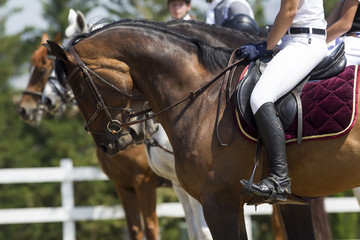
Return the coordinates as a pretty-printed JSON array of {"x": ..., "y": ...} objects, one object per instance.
[
  {"x": 221, "y": 37},
  {"x": 190, "y": 126},
  {"x": 127, "y": 168},
  {"x": 135, "y": 183}
]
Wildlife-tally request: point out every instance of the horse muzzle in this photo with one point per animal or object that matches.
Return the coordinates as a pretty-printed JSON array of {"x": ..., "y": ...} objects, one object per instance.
[
  {"x": 114, "y": 147},
  {"x": 31, "y": 116}
]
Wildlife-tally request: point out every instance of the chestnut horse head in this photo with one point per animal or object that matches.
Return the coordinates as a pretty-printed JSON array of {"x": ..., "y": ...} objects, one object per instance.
[
  {"x": 172, "y": 71},
  {"x": 41, "y": 68}
]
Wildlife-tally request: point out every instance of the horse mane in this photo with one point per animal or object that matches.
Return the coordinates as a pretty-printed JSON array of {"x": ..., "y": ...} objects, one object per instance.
[
  {"x": 213, "y": 59},
  {"x": 214, "y": 27}
]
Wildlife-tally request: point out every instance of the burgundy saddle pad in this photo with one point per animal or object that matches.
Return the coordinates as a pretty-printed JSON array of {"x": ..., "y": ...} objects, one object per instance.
[{"x": 329, "y": 108}]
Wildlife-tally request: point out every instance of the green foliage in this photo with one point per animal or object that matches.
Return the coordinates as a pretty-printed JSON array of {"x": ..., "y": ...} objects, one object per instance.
[
  {"x": 172, "y": 228},
  {"x": 101, "y": 230},
  {"x": 31, "y": 231},
  {"x": 95, "y": 193},
  {"x": 261, "y": 227},
  {"x": 345, "y": 225}
]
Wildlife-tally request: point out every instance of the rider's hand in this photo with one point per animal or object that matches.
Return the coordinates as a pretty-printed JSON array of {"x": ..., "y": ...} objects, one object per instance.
[{"x": 251, "y": 52}]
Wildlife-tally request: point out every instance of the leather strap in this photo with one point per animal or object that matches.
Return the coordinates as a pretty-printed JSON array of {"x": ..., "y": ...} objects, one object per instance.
[{"x": 300, "y": 123}]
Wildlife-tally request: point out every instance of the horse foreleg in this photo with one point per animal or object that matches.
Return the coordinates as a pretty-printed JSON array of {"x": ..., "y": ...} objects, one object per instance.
[
  {"x": 130, "y": 204},
  {"x": 277, "y": 224},
  {"x": 203, "y": 229},
  {"x": 320, "y": 219},
  {"x": 297, "y": 221},
  {"x": 222, "y": 218},
  {"x": 197, "y": 227},
  {"x": 241, "y": 223},
  {"x": 146, "y": 193}
]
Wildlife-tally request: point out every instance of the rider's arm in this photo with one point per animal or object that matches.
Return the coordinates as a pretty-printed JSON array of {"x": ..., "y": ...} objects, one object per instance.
[
  {"x": 341, "y": 18},
  {"x": 282, "y": 22}
]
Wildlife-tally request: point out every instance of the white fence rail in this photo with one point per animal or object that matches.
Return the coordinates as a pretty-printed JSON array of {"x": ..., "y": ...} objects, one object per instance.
[{"x": 66, "y": 174}]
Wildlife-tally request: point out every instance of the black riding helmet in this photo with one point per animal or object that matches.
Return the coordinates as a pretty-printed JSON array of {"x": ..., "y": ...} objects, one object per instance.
[{"x": 241, "y": 22}]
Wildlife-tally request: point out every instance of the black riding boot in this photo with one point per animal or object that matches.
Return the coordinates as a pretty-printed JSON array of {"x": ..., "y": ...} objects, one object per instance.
[{"x": 277, "y": 185}]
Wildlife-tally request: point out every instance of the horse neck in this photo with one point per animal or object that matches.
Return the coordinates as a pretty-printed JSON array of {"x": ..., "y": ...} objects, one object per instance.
[
  {"x": 163, "y": 68},
  {"x": 212, "y": 34},
  {"x": 150, "y": 56}
]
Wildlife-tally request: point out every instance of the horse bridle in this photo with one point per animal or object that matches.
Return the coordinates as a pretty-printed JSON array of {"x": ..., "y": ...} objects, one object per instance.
[
  {"x": 66, "y": 96},
  {"x": 114, "y": 127}
]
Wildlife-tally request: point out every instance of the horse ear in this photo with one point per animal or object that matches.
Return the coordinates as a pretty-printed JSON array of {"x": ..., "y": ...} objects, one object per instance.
[
  {"x": 44, "y": 37},
  {"x": 81, "y": 22},
  {"x": 57, "y": 38},
  {"x": 55, "y": 50},
  {"x": 71, "y": 29},
  {"x": 72, "y": 15}
]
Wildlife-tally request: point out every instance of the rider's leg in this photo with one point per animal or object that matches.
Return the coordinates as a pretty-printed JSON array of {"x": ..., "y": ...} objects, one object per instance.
[
  {"x": 270, "y": 129},
  {"x": 299, "y": 55}
]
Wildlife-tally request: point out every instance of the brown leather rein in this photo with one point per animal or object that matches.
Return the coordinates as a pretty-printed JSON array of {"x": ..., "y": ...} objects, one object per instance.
[{"x": 114, "y": 126}]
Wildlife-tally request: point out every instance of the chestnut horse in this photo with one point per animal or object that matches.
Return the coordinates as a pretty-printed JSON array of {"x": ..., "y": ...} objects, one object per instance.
[
  {"x": 41, "y": 68},
  {"x": 163, "y": 164},
  {"x": 121, "y": 58}
]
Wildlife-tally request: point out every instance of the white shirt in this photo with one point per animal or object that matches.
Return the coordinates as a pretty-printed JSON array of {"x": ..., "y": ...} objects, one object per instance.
[{"x": 310, "y": 13}]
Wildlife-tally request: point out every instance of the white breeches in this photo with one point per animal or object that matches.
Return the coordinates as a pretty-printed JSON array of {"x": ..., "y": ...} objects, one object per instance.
[
  {"x": 352, "y": 49},
  {"x": 299, "y": 54}
]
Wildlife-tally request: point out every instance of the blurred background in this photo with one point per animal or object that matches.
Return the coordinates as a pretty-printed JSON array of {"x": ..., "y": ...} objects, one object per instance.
[{"x": 22, "y": 22}]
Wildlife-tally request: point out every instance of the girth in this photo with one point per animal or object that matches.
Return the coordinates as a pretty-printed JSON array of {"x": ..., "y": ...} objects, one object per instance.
[{"x": 290, "y": 104}]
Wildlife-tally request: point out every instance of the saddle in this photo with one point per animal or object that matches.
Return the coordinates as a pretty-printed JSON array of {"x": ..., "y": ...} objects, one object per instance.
[{"x": 290, "y": 104}]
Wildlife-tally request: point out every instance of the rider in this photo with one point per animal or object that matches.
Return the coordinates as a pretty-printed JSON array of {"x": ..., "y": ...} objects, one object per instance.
[
  {"x": 219, "y": 10},
  {"x": 179, "y": 9},
  {"x": 344, "y": 26},
  {"x": 300, "y": 24}
]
